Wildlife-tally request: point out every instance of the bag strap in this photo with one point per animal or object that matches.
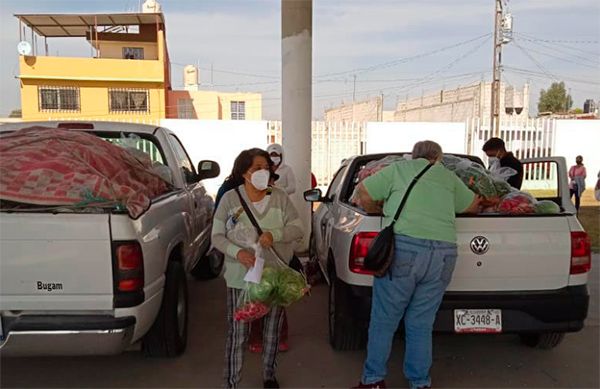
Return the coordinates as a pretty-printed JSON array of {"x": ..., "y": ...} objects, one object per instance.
[
  {"x": 249, "y": 212},
  {"x": 257, "y": 227},
  {"x": 408, "y": 190}
]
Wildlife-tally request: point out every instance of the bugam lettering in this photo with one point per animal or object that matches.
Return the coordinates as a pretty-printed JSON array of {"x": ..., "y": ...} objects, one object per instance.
[{"x": 50, "y": 286}]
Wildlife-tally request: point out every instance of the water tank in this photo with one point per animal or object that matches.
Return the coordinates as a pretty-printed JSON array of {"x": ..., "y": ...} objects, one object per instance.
[
  {"x": 190, "y": 75},
  {"x": 151, "y": 7}
]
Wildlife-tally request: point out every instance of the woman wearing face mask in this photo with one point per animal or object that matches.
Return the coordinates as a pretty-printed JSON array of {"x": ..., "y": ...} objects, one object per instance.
[
  {"x": 287, "y": 179},
  {"x": 234, "y": 235}
]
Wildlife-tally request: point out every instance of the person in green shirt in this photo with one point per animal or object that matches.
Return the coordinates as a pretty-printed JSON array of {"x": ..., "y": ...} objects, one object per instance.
[
  {"x": 425, "y": 256},
  {"x": 235, "y": 236}
]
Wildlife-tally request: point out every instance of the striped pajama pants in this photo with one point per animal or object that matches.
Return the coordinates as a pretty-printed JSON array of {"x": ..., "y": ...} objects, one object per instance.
[{"x": 237, "y": 336}]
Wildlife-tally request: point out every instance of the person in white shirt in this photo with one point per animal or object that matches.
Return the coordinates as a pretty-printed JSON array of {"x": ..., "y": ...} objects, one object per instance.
[{"x": 287, "y": 179}]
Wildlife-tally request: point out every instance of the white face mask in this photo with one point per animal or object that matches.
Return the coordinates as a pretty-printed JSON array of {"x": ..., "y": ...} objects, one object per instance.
[
  {"x": 260, "y": 179},
  {"x": 276, "y": 160}
]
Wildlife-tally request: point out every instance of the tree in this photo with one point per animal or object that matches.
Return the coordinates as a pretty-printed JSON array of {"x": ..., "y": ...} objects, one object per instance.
[
  {"x": 555, "y": 99},
  {"x": 15, "y": 113}
]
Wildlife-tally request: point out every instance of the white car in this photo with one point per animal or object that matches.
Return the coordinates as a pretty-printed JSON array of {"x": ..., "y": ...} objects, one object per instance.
[
  {"x": 76, "y": 282},
  {"x": 525, "y": 275}
]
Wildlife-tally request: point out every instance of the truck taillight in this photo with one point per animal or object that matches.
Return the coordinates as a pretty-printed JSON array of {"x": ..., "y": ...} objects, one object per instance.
[
  {"x": 129, "y": 267},
  {"x": 581, "y": 252},
  {"x": 360, "y": 246}
]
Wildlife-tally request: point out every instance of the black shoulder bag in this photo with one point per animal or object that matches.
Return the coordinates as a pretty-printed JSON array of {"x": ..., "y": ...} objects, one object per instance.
[
  {"x": 295, "y": 262},
  {"x": 381, "y": 252}
]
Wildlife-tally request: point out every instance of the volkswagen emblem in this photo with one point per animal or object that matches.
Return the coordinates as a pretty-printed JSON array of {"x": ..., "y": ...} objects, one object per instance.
[{"x": 480, "y": 245}]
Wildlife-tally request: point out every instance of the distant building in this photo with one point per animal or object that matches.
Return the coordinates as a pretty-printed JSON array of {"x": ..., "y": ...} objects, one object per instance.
[
  {"x": 462, "y": 103},
  {"x": 590, "y": 106},
  {"x": 370, "y": 110},
  {"x": 124, "y": 79},
  {"x": 194, "y": 103}
]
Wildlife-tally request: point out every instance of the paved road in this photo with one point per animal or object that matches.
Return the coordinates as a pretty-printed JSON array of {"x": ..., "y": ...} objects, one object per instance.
[{"x": 459, "y": 361}]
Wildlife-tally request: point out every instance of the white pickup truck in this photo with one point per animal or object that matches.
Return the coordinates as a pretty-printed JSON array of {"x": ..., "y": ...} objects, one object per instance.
[
  {"x": 525, "y": 274},
  {"x": 94, "y": 281}
]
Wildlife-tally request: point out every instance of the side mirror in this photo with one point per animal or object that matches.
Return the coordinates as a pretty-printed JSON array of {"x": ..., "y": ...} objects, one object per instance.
[
  {"x": 314, "y": 196},
  {"x": 208, "y": 169}
]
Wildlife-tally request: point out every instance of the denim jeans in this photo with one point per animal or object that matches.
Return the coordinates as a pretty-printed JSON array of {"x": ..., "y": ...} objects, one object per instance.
[{"x": 413, "y": 290}]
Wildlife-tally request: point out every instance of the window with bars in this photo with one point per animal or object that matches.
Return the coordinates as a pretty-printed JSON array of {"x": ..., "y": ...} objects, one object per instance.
[
  {"x": 185, "y": 109},
  {"x": 238, "y": 110},
  {"x": 133, "y": 53},
  {"x": 53, "y": 98},
  {"x": 128, "y": 100}
]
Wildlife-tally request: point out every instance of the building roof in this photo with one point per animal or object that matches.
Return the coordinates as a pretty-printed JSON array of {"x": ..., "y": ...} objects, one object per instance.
[{"x": 78, "y": 25}]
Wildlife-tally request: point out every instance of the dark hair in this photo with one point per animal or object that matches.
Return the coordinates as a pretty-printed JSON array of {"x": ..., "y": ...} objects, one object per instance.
[
  {"x": 494, "y": 144},
  {"x": 244, "y": 161}
]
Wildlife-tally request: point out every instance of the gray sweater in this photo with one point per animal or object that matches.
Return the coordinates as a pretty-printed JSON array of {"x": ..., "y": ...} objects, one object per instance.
[{"x": 232, "y": 230}]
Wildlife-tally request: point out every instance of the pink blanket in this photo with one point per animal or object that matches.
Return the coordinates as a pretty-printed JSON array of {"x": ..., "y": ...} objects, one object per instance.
[{"x": 50, "y": 166}]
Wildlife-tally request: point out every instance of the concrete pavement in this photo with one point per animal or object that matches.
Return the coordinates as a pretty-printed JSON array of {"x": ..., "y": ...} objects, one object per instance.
[{"x": 467, "y": 361}]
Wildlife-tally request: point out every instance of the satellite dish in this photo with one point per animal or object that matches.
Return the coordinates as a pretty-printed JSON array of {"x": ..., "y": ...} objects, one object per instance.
[{"x": 24, "y": 48}]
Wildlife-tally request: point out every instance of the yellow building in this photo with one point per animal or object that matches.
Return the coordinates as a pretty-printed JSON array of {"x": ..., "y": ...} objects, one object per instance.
[
  {"x": 193, "y": 103},
  {"x": 125, "y": 79}
]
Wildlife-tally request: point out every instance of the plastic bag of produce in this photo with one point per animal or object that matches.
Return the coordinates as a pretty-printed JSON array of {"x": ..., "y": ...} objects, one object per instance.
[
  {"x": 547, "y": 207},
  {"x": 517, "y": 203},
  {"x": 490, "y": 185},
  {"x": 265, "y": 289},
  {"x": 291, "y": 287},
  {"x": 248, "y": 309}
]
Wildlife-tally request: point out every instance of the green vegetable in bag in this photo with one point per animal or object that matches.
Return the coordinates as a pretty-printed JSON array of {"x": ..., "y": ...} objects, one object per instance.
[
  {"x": 264, "y": 290},
  {"x": 291, "y": 287},
  {"x": 547, "y": 207}
]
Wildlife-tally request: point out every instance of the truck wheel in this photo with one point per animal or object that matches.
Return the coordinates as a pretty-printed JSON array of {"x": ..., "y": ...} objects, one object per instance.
[
  {"x": 209, "y": 266},
  {"x": 167, "y": 337},
  {"x": 345, "y": 332},
  {"x": 545, "y": 341}
]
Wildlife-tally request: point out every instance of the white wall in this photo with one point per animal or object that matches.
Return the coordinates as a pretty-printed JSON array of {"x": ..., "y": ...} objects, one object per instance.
[
  {"x": 401, "y": 136},
  {"x": 218, "y": 140},
  {"x": 580, "y": 137}
]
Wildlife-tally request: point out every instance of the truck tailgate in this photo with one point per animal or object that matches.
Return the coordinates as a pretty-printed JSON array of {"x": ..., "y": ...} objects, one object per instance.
[
  {"x": 523, "y": 253},
  {"x": 55, "y": 262}
]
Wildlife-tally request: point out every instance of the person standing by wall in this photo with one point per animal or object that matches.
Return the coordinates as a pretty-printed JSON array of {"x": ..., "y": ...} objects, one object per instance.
[
  {"x": 287, "y": 178},
  {"x": 577, "y": 175},
  {"x": 495, "y": 149},
  {"x": 425, "y": 256}
]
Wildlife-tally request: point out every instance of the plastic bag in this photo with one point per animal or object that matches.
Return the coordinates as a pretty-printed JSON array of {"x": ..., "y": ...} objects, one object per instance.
[
  {"x": 517, "y": 203},
  {"x": 248, "y": 309},
  {"x": 291, "y": 286},
  {"x": 490, "y": 185},
  {"x": 547, "y": 207}
]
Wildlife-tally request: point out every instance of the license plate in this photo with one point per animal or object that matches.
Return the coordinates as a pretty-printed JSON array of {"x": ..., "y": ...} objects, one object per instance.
[{"x": 482, "y": 321}]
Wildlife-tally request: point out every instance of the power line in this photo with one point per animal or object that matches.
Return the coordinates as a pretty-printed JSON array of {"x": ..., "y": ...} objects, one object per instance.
[
  {"x": 404, "y": 59},
  {"x": 556, "y": 47},
  {"x": 574, "y": 42},
  {"x": 562, "y": 58},
  {"x": 546, "y": 76},
  {"x": 539, "y": 65}
]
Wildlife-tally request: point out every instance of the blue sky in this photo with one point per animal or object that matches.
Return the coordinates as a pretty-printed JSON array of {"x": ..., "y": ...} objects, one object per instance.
[{"x": 379, "y": 41}]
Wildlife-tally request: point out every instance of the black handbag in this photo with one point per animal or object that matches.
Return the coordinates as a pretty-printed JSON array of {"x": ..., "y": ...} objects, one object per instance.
[
  {"x": 295, "y": 262},
  {"x": 381, "y": 251}
]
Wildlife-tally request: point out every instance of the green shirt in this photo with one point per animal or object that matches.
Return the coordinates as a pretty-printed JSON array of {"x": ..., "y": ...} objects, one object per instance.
[{"x": 431, "y": 208}]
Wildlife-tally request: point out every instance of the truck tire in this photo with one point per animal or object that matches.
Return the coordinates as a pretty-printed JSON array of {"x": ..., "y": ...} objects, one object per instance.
[
  {"x": 209, "y": 266},
  {"x": 544, "y": 341},
  {"x": 345, "y": 332},
  {"x": 167, "y": 337}
]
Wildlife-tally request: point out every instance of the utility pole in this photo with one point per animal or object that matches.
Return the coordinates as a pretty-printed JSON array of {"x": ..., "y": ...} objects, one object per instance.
[
  {"x": 495, "y": 103},
  {"x": 354, "y": 90}
]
